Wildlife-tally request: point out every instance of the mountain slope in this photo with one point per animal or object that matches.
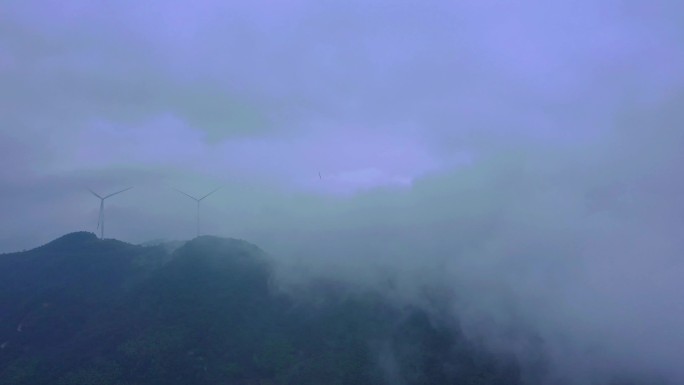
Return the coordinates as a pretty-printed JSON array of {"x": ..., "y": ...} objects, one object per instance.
[{"x": 80, "y": 310}]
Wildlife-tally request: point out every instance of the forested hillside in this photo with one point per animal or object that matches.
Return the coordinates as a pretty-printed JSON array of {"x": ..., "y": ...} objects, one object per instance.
[{"x": 80, "y": 310}]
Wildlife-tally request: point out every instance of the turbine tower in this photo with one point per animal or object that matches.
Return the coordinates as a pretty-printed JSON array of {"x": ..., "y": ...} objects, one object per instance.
[
  {"x": 100, "y": 219},
  {"x": 198, "y": 200}
]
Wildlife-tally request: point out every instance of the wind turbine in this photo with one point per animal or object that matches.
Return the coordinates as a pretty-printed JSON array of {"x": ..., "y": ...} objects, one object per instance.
[
  {"x": 100, "y": 220},
  {"x": 198, "y": 200}
]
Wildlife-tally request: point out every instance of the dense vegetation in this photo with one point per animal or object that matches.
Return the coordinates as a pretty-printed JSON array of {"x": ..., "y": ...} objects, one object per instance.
[{"x": 80, "y": 310}]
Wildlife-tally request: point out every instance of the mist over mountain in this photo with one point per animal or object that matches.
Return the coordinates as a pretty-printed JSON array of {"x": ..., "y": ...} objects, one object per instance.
[
  {"x": 80, "y": 310},
  {"x": 448, "y": 191}
]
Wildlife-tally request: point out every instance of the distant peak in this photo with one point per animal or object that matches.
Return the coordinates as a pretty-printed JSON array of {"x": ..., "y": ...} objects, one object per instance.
[
  {"x": 221, "y": 243},
  {"x": 74, "y": 241},
  {"x": 76, "y": 237}
]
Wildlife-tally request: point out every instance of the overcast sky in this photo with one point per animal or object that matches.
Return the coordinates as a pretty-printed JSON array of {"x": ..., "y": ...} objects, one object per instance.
[{"x": 530, "y": 151}]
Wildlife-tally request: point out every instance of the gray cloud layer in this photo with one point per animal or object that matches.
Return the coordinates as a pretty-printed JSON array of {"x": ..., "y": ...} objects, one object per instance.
[{"x": 523, "y": 157}]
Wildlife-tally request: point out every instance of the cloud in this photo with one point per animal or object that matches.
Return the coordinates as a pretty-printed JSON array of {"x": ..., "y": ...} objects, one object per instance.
[
  {"x": 596, "y": 283},
  {"x": 522, "y": 157}
]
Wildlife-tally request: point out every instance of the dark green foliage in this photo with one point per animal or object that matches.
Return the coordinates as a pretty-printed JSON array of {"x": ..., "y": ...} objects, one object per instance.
[{"x": 105, "y": 312}]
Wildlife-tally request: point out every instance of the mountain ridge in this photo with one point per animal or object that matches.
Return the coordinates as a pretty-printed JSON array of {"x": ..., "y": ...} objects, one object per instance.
[{"x": 80, "y": 310}]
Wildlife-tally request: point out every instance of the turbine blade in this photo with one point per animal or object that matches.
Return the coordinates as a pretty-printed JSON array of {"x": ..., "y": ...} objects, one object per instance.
[
  {"x": 187, "y": 195},
  {"x": 94, "y": 193},
  {"x": 215, "y": 190},
  {"x": 118, "y": 192}
]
